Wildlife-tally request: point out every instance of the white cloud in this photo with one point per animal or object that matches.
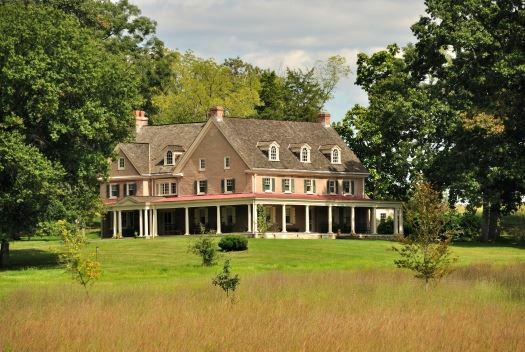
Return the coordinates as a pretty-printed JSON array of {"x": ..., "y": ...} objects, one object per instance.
[{"x": 295, "y": 33}]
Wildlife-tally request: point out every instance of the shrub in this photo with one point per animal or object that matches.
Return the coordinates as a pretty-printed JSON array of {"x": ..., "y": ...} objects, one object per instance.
[
  {"x": 227, "y": 281},
  {"x": 206, "y": 249},
  {"x": 464, "y": 226},
  {"x": 233, "y": 243},
  {"x": 386, "y": 227}
]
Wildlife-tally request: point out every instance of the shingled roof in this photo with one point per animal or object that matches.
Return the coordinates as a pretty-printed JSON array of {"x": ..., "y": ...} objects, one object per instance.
[
  {"x": 244, "y": 134},
  {"x": 247, "y": 136}
]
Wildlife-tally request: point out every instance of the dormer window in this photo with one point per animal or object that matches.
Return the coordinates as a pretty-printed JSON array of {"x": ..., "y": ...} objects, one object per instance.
[
  {"x": 336, "y": 156},
  {"x": 169, "y": 158},
  {"x": 305, "y": 154},
  {"x": 273, "y": 155}
]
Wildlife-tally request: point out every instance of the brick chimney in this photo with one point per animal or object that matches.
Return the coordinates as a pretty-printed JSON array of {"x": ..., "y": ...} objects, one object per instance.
[
  {"x": 140, "y": 120},
  {"x": 324, "y": 119},
  {"x": 216, "y": 112}
]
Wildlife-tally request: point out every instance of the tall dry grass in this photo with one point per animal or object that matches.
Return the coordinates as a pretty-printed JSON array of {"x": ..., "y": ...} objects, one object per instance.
[{"x": 479, "y": 308}]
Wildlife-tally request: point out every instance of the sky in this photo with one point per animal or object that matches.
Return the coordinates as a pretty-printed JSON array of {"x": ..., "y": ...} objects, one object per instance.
[{"x": 294, "y": 33}]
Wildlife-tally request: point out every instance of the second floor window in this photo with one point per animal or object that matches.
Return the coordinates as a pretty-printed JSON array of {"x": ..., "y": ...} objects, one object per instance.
[
  {"x": 309, "y": 186},
  {"x": 348, "y": 187},
  {"x": 228, "y": 185},
  {"x": 202, "y": 164},
  {"x": 167, "y": 188},
  {"x": 332, "y": 187},
  {"x": 131, "y": 189},
  {"x": 268, "y": 184},
  {"x": 121, "y": 163},
  {"x": 114, "y": 190},
  {"x": 201, "y": 187},
  {"x": 288, "y": 185}
]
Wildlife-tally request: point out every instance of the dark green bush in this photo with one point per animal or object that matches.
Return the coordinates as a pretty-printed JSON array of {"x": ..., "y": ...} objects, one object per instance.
[
  {"x": 386, "y": 227},
  {"x": 465, "y": 226},
  {"x": 231, "y": 243}
]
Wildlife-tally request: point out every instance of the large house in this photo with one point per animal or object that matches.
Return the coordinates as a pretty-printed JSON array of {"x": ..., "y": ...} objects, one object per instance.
[{"x": 183, "y": 178}]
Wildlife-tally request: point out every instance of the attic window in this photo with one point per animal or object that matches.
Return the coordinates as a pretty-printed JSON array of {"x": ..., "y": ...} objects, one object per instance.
[
  {"x": 305, "y": 154},
  {"x": 121, "y": 164},
  {"x": 336, "y": 156},
  {"x": 169, "y": 158},
  {"x": 273, "y": 155}
]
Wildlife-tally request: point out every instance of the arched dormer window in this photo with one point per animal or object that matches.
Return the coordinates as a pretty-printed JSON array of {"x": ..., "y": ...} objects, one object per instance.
[
  {"x": 305, "y": 154},
  {"x": 336, "y": 156},
  {"x": 169, "y": 158},
  {"x": 273, "y": 154}
]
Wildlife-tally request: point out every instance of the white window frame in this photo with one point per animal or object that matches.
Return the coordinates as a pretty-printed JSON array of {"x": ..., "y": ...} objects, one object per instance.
[
  {"x": 227, "y": 162},
  {"x": 127, "y": 188},
  {"x": 199, "y": 192},
  {"x": 166, "y": 188},
  {"x": 201, "y": 162},
  {"x": 271, "y": 157},
  {"x": 337, "y": 159},
  {"x": 166, "y": 161},
  {"x": 349, "y": 193},
  {"x": 305, "y": 148},
  {"x": 111, "y": 185},
  {"x": 289, "y": 190},
  {"x": 269, "y": 179},
  {"x": 332, "y": 183},
  {"x": 123, "y": 160},
  {"x": 309, "y": 184},
  {"x": 231, "y": 180}
]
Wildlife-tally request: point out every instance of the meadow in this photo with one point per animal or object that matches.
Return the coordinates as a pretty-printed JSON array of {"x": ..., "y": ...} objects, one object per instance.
[{"x": 295, "y": 295}]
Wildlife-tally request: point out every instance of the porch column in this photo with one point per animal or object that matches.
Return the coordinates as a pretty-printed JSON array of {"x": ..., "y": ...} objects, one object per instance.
[
  {"x": 114, "y": 224},
  {"x": 283, "y": 218},
  {"x": 249, "y": 218},
  {"x": 352, "y": 220},
  {"x": 146, "y": 223},
  {"x": 186, "y": 221},
  {"x": 307, "y": 218},
  {"x": 374, "y": 222},
  {"x": 119, "y": 234},
  {"x": 141, "y": 224},
  {"x": 155, "y": 224},
  {"x": 396, "y": 221},
  {"x": 218, "y": 219},
  {"x": 401, "y": 230},
  {"x": 330, "y": 218},
  {"x": 254, "y": 218}
]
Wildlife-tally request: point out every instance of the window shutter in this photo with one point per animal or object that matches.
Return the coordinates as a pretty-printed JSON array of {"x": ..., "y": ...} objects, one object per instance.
[
  {"x": 293, "y": 185},
  {"x": 206, "y": 186},
  {"x": 273, "y": 184},
  {"x": 262, "y": 189},
  {"x": 108, "y": 191},
  {"x": 305, "y": 188},
  {"x": 195, "y": 187},
  {"x": 282, "y": 185},
  {"x": 328, "y": 186},
  {"x": 233, "y": 187},
  {"x": 223, "y": 187},
  {"x": 125, "y": 189},
  {"x": 313, "y": 181},
  {"x": 336, "y": 186},
  {"x": 118, "y": 190},
  {"x": 352, "y": 190}
]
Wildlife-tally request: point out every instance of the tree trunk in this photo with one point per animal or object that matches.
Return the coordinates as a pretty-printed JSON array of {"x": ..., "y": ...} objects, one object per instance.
[
  {"x": 495, "y": 222},
  {"x": 485, "y": 221},
  {"x": 4, "y": 253}
]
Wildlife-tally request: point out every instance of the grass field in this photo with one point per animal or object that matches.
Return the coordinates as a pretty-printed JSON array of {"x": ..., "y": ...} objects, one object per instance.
[{"x": 295, "y": 295}]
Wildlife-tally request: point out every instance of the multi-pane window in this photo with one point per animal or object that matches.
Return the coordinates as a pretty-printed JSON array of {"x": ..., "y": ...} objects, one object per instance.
[
  {"x": 226, "y": 162},
  {"x": 268, "y": 184},
  {"x": 121, "y": 163},
  {"x": 114, "y": 191},
  {"x": 305, "y": 155},
  {"x": 167, "y": 188},
  {"x": 287, "y": 185},
  {"x": 332, "y": 186},
  {"x": 202, "y": 187},
  {"x": 309, "y": 186},
  {"x": 383, "y": 216},
  {"x": 336, "y": 158},
  {"x": 230, "y": 185},
  {"x": 174, "y": 188},
  {"x": 348, "y": 187},
  {"x": 169, "y": 157},
  {"x": 131, "y": 189},
  {"x": 202, "y": 164},
  {"x": 274, "y": 153}
]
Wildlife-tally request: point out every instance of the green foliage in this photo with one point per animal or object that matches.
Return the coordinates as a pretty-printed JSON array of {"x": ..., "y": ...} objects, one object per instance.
[
  {"x": 202, "y": 228},
  {"x": 386, "y": 227},
  {"x": 262, "y": 219},
  {"x": 233, "y": 243},
  {"x": 227, "y": 281},
  {"x": 83, "y": 267},
  {"x": 464, "y": 226},
  {"x": 66, "y": 101},
  {"x": 426, "y": 251},
  {"x": 205, "y": 247}
]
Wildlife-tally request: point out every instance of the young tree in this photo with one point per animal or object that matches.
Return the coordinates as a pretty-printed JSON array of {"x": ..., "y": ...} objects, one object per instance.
[
  {"x": 227, "y": 281},
  {"x": 206, "y": 248},
  {"x": 426, "y": 250},
  {"x": 65, "y": 102}
]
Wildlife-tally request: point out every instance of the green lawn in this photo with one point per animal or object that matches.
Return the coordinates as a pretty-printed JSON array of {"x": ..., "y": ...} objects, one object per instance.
[{"x": 133, "y": 261}]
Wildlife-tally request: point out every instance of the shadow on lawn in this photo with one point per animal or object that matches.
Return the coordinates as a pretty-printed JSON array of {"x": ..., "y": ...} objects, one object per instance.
[
  {"x": 20, "y": 259},
  {"x": 502, "y": 244}
]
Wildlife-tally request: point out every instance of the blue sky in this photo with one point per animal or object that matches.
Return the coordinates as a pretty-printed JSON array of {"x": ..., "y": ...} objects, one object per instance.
[{"x": 279, "y": 34}]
